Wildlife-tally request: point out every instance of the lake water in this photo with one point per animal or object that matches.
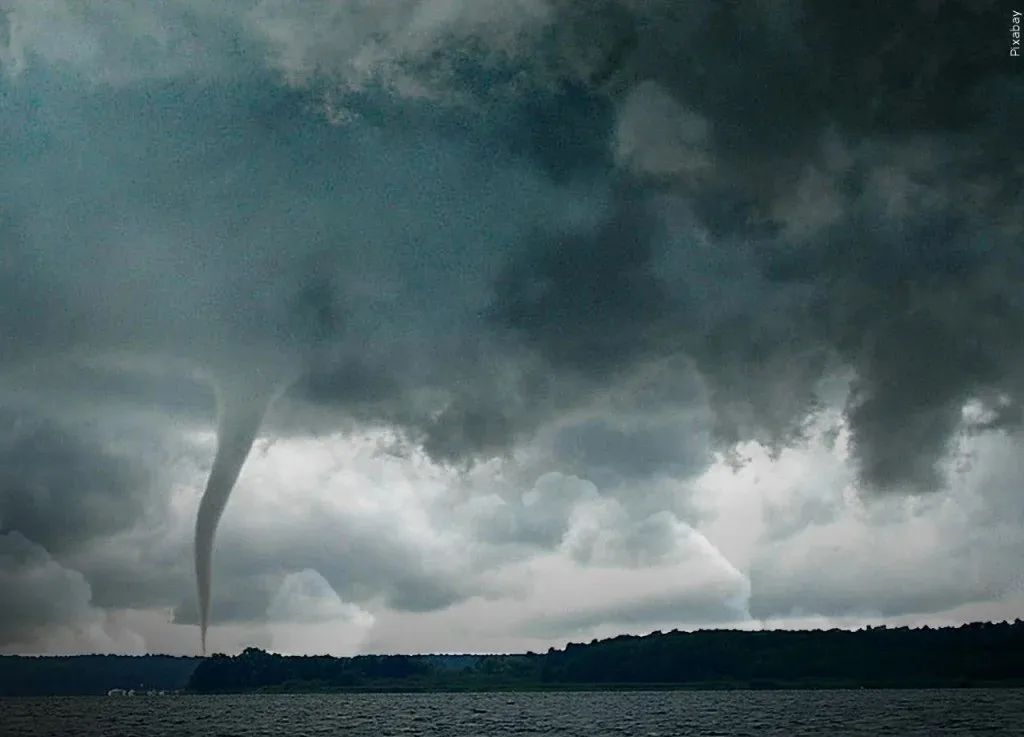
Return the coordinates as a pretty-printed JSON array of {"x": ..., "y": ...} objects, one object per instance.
[{"x": 591, "y": 714}]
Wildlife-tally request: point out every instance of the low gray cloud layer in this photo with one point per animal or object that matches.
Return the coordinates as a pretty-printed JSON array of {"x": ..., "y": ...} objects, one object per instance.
[
  {"x": 609, "y": 241},
  {"x": 60, "y": 489}
]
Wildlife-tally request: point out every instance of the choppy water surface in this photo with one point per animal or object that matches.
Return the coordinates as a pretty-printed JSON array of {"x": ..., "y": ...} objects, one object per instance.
[{"x": 594, "y": 714}]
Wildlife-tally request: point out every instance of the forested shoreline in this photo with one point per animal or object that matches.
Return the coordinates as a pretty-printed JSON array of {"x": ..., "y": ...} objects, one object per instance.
[{"x": 980, "y": 654}]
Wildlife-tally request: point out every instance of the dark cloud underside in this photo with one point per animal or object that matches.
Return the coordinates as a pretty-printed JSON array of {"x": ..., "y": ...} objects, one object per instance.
[{"x": 644, "y": 231}]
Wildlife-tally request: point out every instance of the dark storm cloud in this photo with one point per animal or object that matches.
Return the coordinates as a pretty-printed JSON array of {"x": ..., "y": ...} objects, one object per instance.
[
  {"x": 630, "y": 451},
  {"x": 247, "y": 239},
  {"x": 471, "y": 220},
  {"x": 588, "y": 301},
  {"x": 899, "y": 264},
  {"x": 39, "y": 594},
  {"x": 258, "y": 237},
  {"x": 60, "y": 489}
]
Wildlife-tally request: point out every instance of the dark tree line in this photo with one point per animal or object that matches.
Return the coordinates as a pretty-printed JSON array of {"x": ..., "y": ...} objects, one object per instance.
[
  {"x": 970, "y": 655},
  {"x": 880, "y": 656},
  {"x": 976, "y": 654},
  {"x": 255, "y": 669}
]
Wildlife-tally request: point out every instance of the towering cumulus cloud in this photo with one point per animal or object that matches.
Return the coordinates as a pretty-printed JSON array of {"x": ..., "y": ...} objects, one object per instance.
[{"x": 608, "y": 239}]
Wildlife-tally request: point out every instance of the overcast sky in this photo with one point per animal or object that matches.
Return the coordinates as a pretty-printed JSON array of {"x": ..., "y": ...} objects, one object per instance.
[{"x": 575, "y": 318}]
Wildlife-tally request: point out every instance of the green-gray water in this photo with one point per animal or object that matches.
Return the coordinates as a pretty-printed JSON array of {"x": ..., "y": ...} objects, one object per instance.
[{"x": 592, "y": 714}]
